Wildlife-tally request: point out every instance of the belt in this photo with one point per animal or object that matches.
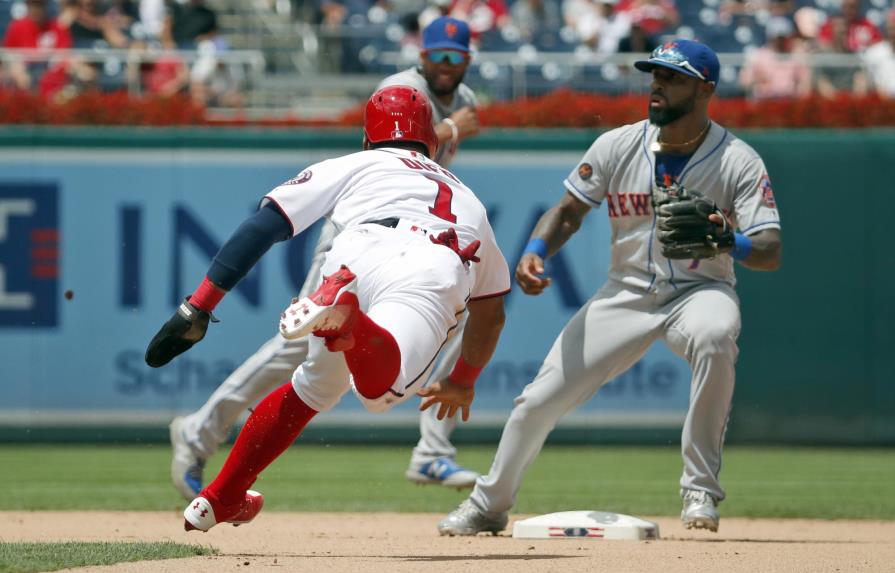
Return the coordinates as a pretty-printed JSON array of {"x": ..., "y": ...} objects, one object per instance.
[
  {"x": 447, "y": 238},
  {"x": 391, "y": 222},
  {"x": 399, "y": 224}
]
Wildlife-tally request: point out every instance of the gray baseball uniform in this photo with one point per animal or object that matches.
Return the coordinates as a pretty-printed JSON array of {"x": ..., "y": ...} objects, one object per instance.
[
  {"x": 691, "y": 305},
  {"x": 463, "y": 97},
  {"x": 207, "y": 428}
]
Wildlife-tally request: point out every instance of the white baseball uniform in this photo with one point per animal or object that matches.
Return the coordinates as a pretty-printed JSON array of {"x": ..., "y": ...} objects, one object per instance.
[
  {"x": 435, "y": 434},
  {"x": 208, "y": 427},
  {"x": 689, "y": 304},
  {"x": 412, "y": 287}
]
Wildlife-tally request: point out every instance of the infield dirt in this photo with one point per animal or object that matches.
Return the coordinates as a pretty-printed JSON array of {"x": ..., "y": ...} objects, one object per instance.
[{"x": 399, "y": 543}]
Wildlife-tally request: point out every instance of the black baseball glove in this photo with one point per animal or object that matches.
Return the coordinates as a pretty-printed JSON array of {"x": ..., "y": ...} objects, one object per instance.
[
  {"x": 179, "y": 334},
  {"x": 683, "y": 226}
]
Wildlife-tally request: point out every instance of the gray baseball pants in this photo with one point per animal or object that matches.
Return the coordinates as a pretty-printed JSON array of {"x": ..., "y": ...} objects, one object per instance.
[{"x": 607, "y": 336}]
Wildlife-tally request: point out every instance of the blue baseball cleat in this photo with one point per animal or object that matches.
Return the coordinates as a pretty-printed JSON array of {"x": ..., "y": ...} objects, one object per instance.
[
  {"x": 186, "y": 466},
  {"x": 442, "y": 471}
]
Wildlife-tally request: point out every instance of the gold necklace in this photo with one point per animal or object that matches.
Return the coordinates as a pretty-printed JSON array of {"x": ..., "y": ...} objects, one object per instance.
[{"x": 658, "y": 145}]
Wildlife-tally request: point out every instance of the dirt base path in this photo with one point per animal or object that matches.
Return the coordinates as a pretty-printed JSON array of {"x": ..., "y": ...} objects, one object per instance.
[{"x": 399, "y": 543}]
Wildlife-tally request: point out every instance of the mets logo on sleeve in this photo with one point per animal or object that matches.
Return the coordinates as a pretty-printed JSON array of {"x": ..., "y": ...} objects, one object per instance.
[
  {"x": 585, "y": 171},
  {"x": 29, "y": 254},
  {"x": 767, "y": 194},
  {"x": 302, "y": 177}
]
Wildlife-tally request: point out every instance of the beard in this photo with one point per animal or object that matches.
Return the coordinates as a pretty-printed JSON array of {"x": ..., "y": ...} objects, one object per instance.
[
  {"x": 663, "y": 117},
  {"x": 443, "y": 90}
]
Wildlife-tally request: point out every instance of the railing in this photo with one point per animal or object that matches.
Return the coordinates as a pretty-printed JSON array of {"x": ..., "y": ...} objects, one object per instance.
[
  {"x": 527, "y": 72},
  {"x": 121, "y": 69},
  {"x": 494, "y": 75}
]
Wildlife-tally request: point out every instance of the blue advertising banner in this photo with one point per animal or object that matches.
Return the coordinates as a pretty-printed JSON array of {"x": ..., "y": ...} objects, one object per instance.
[{"x": 127, "y": 233}]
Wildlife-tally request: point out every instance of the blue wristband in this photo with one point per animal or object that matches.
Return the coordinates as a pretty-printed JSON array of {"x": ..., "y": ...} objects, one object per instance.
[
  {"x": 742, "y": 246},
  {"x": 537, "y": 246}
]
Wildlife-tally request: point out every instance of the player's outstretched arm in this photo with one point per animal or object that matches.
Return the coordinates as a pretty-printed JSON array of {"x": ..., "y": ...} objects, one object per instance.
[
  {"x": 456, "y": 392},
  {"x": 235, "y": 259},
  {"x": 552, "y": 231}
]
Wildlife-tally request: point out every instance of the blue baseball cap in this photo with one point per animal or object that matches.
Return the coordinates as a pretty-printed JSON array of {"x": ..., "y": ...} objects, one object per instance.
[
  {"x": 446, "y": 33},
  {"x": 685, "y": 56}
]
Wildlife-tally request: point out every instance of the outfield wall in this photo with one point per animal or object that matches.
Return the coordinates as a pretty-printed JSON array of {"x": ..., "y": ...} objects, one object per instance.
[{"x": 128, "y": 219}]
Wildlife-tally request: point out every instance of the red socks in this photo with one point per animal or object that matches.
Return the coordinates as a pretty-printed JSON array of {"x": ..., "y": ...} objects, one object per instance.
[
  {"x": 271, "y": 428},
  {"x": 374, "y": 360}
]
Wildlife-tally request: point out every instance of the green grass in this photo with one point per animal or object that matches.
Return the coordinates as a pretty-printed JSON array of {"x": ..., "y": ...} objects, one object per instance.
[
  {"x": 760, "y": 482},
  {"x": 30, "y": 557}
]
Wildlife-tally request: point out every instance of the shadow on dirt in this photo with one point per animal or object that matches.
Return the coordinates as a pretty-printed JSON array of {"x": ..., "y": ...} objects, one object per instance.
[
  {"x": 791, "y": 541},
  {"x": 425, "y": 558}
]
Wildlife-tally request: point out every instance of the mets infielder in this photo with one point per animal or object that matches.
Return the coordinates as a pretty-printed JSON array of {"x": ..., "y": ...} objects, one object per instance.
[
  {"x": 197, "y": 436},
  {"x": 423, "y": 252},
  {"x": 690, "y": 304}
]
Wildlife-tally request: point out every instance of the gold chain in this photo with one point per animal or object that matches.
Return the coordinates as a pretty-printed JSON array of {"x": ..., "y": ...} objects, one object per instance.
[{"x": 686, "y": 143}]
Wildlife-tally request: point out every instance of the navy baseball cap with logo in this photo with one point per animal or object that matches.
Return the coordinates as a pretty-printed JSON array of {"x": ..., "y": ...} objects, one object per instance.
[
  {"x": 685, "y": 56},
  {"x": 446, "y": 33}
]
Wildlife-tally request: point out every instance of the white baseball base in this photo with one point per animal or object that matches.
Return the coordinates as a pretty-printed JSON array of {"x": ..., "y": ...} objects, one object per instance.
[{"x": 585, "y": 525}]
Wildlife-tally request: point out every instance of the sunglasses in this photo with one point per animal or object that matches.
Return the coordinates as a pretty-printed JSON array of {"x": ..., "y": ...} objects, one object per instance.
[
  {"x": 687, "y": 66},
  {"x": 675, "y": 58},
  {"x": 445, "y": 56}
]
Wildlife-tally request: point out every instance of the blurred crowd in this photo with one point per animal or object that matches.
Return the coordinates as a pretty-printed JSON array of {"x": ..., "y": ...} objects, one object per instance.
[
  {"x": 779, "y": 67},
  {"x": 159, "y": 47},
  {"x": 775, "y": 36},
  {"x": 790, "y": 48}
]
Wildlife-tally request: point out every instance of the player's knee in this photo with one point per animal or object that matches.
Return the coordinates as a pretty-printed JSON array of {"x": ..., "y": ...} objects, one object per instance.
[
  {"x": 534, "y": 409},
  {"x": 716, "y": 338}
]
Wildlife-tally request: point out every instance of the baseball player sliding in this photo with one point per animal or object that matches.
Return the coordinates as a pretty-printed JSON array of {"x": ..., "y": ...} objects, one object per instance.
[
  {"x": 413, "y": 252},
  {"x": 197, "y": 436},
  {"x": 675, "y": 188}
]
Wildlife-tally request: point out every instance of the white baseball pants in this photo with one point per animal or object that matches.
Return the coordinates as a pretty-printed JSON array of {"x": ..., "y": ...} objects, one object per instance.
[
  {"x": 414, "y": 289},
  {"x": 276, "y": 360}
]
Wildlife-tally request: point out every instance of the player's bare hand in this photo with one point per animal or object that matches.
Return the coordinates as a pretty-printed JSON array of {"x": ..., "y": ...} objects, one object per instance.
[
  {"x": 528, "y": 274},
  {"x": 718, "y": 219},
  {"x": 467, "y": 120},
  {"x": 449, "y": 397}
]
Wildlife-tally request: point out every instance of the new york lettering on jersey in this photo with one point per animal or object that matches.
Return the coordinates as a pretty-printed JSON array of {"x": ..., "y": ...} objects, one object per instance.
[{"x": 620, "y": 169}]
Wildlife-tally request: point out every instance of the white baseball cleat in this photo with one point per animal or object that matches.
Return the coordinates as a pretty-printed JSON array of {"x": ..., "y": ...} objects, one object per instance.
[
  {"x": 442, "y": 471},
  {"x": 470, "y": 520},
  {"x": 200, "y": 513},
  {"x": 329, "y": 309},
  {"x": 699, "y": 510},
  {"x": 186, "y": 466}
]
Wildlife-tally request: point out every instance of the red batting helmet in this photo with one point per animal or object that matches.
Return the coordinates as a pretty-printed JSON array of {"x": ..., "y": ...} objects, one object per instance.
[{"x": 400, "y": 113}]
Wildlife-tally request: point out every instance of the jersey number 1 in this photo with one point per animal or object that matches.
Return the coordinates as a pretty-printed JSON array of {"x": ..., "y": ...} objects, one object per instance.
[{"x": 442, "y": 208}]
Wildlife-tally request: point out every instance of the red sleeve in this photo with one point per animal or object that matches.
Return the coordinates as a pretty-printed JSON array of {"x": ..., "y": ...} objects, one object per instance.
[
  {"x": 875, "y": 34},
  {"x": 499, "y": 8},
  {"x": 63, "y": 36},
  {"x": 825, "y": 36},
  {"x": 11, "y": 39}
]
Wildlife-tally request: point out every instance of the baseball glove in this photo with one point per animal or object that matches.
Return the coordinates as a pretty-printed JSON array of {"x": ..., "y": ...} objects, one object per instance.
[
  {"x": 179, "y": 334},
  {"x": 683, "y": 226}
]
